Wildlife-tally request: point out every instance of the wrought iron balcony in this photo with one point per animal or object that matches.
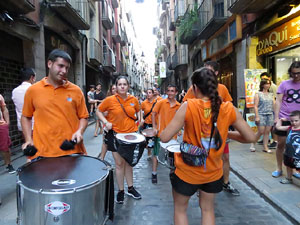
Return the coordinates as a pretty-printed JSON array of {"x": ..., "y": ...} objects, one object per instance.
[
  {"x": 179, "y": 11},
  {"x": 109, "y": 59},
  {"x": 179, "y": 59},
  {"x": 107, "y": 17},
  {"x": 18, "y": 6},
  {"x": 74, "y": 11},
  {"x": 115, "y": 32},
  {"x": 215, "y": 20},
  {"x": 124, "y": 38},
  {"x": 171, "y": 20},
  {"x": 252, "y": 6},
  {"x": 95, "y": 52}
]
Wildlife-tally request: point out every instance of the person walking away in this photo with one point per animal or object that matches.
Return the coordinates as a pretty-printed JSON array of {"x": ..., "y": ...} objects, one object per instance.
[
  {"x": 98, "y": 96},
  {"x": 59, "y": 110},
  {"x": 4, "y": 134},
  {"x": 225, "y": 96},
  {"x": 111, "y": 91},
  {"x": 117, "y": 121},
  {"x": 28, "y": 78},
  {"x": 264, "y": 113},
  {"x": 206, "y": 120},
  {"x": 292, "y": 147},
  {"x": 91, "y": 100},
  {"x": 287, "y": 100},
  {"x": 162, "y": 114}
]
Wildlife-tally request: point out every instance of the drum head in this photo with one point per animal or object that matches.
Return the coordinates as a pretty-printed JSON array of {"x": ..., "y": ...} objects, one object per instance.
[
  {"x": 174, "y": 148},
  {"x": 130, "y": 137},
  {"x": 68, "y": 172},
  {"x": 172, "y": 142},
  {"x": 149, "y": 132}
]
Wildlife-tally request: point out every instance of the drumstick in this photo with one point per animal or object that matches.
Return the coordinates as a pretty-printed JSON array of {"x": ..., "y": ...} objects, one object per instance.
[{"x": 68, "y": 145}]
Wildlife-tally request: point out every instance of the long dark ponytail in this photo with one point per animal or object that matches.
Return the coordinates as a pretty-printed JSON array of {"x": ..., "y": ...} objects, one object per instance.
[{"x": 206, "y": 80}]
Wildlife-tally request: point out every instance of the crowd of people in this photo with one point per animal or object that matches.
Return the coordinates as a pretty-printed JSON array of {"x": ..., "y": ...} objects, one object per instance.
[{"x": 204, "y": 113}]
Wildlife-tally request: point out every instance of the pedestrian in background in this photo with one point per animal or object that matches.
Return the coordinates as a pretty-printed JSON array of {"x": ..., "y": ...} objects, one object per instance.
[
  {"x": 98, "y": 97},
  {"x": 4, "y": 136},
  {"x": 206, "y": 120},
  {"x": 287, "y": 100},
  {"x": 264, "y": 113},
  {"x": 28, "y": 78},
  {"x": 91, "y": 99},
  {"x": 292, "y": 146}
]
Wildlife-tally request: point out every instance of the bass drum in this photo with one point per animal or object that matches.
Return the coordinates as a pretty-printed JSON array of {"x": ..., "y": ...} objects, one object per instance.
[{"x": 72, "y": 189}]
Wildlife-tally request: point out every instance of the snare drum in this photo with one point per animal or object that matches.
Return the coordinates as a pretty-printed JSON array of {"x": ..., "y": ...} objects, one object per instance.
[
  {"x": 171, "y": 149},
  {"x": 164, "y": 153},
  {"x": 149, "y": 132},
  {"x": 65, "y": 190},
  {"x": 130, "y": 146}
]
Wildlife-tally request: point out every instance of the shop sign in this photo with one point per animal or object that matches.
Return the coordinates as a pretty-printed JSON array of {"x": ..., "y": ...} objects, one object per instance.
[
  {"x": 279, "y": 38},
  {"x": 162, "y": 70}
]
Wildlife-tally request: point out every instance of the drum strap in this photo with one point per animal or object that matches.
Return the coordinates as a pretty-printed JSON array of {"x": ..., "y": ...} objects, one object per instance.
[
  {"x": 125, "y": 110},
  {"x": 145, "y": 116}
]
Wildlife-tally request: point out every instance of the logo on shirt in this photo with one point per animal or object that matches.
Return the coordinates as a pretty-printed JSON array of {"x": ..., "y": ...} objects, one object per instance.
[
  {"x": 69, "y": 99},
  {"x": 293, "y": 96},
  {"x": 132, "y": 104}
]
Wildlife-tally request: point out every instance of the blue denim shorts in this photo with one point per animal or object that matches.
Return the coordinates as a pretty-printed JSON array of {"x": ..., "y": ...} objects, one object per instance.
[{"x": 266, "y": 120}]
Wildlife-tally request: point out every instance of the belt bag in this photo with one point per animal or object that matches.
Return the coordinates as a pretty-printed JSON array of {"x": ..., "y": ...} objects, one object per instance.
[{"x": 193, "y": 155}]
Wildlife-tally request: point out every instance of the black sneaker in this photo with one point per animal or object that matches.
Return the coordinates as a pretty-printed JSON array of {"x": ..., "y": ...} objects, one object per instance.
[
  {"x": 120, "y": 197},
  {"x": 154, "y": 179},
  {"x": 133, "y": 193},
  {"x": 10, "y": 169},
  {"x": 229, "y": 188},
  {"x": 273, "y": 145}
]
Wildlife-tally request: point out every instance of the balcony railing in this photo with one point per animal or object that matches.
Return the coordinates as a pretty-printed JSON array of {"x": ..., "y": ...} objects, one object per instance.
[
  {"x": 179, "y": 11},
  {"x": 74, "y": 11},
  {"x": 114, "y": 4},
  {"x": 107, "y": 17},
  {"x": 215, "y": 20},
  {"x": 180, "y": 59},
  {"x": 18, "y": 6},
  {"x": 171, "y": 20},
  {"x": 95, "y": 50},
  {"x": 254, "y": 6},
  {"x": 109, "y": 59},
  {"x": 124, "y": 38},
  {"x": 115, "y": 32}
]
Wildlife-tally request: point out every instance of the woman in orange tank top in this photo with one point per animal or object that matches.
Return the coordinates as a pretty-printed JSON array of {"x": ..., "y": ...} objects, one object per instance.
[{"x": 206, "y": 120}]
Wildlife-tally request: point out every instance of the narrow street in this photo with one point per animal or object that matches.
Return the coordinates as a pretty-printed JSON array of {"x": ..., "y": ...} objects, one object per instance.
[{"x": 156, "y": 205}]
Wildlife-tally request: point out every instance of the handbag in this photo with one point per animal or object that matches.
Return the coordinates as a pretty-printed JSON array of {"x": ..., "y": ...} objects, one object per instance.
[{"x": 194, "y": 155}]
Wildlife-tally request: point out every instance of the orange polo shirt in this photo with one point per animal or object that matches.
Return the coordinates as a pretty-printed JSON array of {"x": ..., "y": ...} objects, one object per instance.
[
  {"x": 56, "y": 112},
  {"x": 165, "y": 113},
  {"x": 146, "y": 107},
  {"x": 222, "y": 90},
  {"x": 197, "y": 131},
  {"x": 159, "y": 98},
  {"x": 121, "y": 123}
]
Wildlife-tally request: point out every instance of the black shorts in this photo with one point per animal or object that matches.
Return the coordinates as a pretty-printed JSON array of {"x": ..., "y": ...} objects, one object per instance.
[
  {"x": 280, "y": 132},
  {"x": 110, "y": 140},
  {"x": 289, "y": 162},
  {"x": 187, "y": 189}
]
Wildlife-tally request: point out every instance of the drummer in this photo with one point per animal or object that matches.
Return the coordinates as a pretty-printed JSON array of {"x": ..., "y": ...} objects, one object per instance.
[
  {"x": 146, "y": 110},
  {"x": 156, "y": 94},
  {"x": 120, "y": 122},
  {"x": 162, "y": 115},
  {"x": 206, "y": 120},
  {"x": 59, "y": 110}
]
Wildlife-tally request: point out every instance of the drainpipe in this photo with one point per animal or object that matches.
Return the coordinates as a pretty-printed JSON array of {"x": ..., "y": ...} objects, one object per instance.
[{"x": 83, "y": 47}]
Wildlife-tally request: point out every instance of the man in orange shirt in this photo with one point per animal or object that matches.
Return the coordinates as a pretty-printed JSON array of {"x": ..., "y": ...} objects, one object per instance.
[
  {"x": 59, "y": 110},
  {"x": 224, "y": 93},
  {"x": 162, "y": 114}
]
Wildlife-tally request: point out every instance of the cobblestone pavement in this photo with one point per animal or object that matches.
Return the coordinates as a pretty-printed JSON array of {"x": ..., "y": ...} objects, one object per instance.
[{"x": 156, "y": 205}]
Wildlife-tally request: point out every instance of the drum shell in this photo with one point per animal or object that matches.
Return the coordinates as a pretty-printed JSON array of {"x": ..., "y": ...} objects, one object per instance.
[{"x": 87, "y": 204}]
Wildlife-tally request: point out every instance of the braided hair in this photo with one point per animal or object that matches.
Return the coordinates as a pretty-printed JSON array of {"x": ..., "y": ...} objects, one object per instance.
[{"x": 206, "y": 80}]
